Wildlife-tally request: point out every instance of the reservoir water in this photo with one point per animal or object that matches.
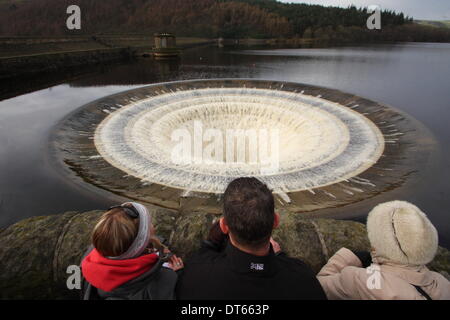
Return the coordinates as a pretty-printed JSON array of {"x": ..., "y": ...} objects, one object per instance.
[{"x": 413, "y": 77}]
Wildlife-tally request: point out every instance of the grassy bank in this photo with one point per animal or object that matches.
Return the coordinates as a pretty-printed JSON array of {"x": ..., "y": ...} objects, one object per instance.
[
  {"x": 24, "y": 56},
  {"x": 24, "y": 46}
]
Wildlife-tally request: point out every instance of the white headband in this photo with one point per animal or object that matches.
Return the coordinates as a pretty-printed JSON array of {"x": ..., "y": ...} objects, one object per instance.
[{"x": 142, "y": 239}]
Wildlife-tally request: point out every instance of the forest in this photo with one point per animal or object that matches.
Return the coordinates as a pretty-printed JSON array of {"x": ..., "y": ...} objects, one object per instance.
[{"x": 211, "y": 19}]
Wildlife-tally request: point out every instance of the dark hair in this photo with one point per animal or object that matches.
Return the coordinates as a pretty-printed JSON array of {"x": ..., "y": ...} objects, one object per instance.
[{"x": 249, "y": 211}]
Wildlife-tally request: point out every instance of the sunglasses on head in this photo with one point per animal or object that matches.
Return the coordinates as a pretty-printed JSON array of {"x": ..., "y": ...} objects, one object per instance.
[{"x": 129, "y": 210}]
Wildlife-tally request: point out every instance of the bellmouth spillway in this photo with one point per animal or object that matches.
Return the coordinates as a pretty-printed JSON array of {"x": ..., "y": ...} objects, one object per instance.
[{"x": 331, "y": 148}]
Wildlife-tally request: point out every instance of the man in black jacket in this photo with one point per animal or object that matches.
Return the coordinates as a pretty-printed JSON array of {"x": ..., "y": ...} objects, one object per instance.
[{"x": 239, "y": 260}]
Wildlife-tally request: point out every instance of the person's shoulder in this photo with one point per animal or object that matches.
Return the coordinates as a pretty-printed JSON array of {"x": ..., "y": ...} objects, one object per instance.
[
  {"x": 295, "y": 268},
  {"x": 358, "y": 274},
  {"x": 298, "y": 274},
  {"x": 206, "y": 254},
  {"x": 203, "y": 276},
  {"x": 441, "y": 280},
  {"x": 161, "y": 286},
  {"x": 293, "y": 264}
]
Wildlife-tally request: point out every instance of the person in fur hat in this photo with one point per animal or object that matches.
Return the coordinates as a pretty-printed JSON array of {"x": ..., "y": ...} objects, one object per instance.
[{"x": 403, "y": 242}]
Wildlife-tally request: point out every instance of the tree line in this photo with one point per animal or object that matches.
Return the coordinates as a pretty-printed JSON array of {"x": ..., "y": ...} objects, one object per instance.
[
  {"x": 304, "y": 16},
  {"x": 210, "y": 18}
]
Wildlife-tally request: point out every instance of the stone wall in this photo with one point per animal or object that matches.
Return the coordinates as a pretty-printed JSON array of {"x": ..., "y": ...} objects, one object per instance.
[{"x": 41, "y": 63}]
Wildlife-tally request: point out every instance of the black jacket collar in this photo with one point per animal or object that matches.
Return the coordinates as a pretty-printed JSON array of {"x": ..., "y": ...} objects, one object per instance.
[{"x": 243, "y": 262}]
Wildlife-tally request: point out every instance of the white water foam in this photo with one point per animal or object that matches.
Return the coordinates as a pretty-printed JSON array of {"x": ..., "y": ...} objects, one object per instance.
[{"x": 321, "y": 142}]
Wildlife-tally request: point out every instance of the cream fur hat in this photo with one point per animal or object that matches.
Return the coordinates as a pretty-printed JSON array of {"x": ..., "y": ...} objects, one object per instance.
[{"x": 400, "y": 232}]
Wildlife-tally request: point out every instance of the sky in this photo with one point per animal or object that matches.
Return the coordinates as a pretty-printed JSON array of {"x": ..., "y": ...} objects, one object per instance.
[{"x": 418, "y": 9}]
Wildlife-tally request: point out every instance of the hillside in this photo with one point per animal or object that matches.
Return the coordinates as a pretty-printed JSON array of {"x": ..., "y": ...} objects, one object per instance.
[
  {"x": 206, "y": 18},
  {"x": 209, "y": 18},
  {"x": 226, "y": 18},
  {"x": 432, "y": 23}
]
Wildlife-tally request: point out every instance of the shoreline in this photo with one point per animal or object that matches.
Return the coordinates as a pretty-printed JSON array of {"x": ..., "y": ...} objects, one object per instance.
[{"x": 65, "y": 54}]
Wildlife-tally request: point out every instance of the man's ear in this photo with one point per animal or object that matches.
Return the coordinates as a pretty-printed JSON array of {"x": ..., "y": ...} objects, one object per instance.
[
  {"x": 276, "y": 220},
  {"x": 223, "y": 226}
]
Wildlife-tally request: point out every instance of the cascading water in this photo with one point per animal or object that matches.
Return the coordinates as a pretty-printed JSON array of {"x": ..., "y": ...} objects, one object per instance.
[
  {"x": 331, "y": 148},
  {"x": 320, "y": 142}
]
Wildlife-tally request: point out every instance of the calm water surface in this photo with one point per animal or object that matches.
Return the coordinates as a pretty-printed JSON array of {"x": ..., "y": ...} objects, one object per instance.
[{"x": 412, "y": 77}]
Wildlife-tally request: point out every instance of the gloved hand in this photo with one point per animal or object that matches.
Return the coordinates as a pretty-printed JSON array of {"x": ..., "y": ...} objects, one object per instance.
[{"x": 364, "y": 257}]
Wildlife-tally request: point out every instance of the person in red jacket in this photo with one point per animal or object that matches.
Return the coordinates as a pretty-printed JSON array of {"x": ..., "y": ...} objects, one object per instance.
[{"x": 127, "y": 261}]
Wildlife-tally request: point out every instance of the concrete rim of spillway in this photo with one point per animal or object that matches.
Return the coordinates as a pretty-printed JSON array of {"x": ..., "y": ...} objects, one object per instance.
[{"x": 355, "y": 148}]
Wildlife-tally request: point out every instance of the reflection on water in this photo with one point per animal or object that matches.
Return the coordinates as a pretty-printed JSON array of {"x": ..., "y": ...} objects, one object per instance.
[{"x": 411, "y": 77}]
